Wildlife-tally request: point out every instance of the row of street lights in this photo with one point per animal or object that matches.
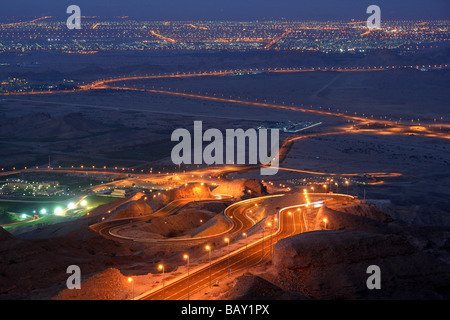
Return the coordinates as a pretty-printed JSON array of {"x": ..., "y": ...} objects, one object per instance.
[{"x": 209, "y": 249}]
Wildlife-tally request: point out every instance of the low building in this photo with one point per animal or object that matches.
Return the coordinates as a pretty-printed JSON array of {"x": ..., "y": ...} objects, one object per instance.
[{"x": 120, "y": 193}]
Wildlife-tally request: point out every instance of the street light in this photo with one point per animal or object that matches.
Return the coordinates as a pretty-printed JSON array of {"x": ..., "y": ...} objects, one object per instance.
[
  {"x": 347, "y": 183},
  {"x": 325, "y": 221},
  {"x": 227, "y": 240},
  {"x": 186, "y": 257},
  {"x": 246, "y": 252},
  {"x": 132, "y": 285},
  {"x": 209, "y": 249},
  {"x": 161, "y": 267}
]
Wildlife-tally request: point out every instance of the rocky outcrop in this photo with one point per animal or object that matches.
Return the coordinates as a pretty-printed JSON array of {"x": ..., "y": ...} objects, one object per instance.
[
  {"x": 5, "y": 235},
  {"x": 367, "y": 210},
  {"x": 36, "y": 268},
  {"x": 333, "y": 265},
  {"x": 193, "y": 220},
  {"x": 251, "y": 287},
  {"x": 337, "y": 220},
  {"x": 107, "y": 285},
  {"x": 192, "y": 190},
  {"x": 132, "y": 209},
  {"x": 241, "y": 188}
]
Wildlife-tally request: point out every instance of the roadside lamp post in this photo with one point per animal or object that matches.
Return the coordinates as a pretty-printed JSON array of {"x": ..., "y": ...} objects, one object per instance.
[
  {"x": 186, "y": 257},
  {"x": 246, "y": 252},
  {"x": 227, "y": 240},
  {"x": 325, "y": 221},
  {"x": 209, "y": 249},
  {"x": 161, "y": 267},
  {"x": 132, "y": 285},
  {"x": 347, "y": 183}
]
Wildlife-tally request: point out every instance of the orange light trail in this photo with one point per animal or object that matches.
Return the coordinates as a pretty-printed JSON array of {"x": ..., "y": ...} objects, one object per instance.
[
  {"x": 399, "y": 129},
  {"x": 197, "y": 27},
  {"x": 25, "y": 22},
  {"x": 162, "y": 37},
  {"x": 390, "y": 127},
  {"x": 373, "y": 174},
  {"x": 271, "y": 43}
]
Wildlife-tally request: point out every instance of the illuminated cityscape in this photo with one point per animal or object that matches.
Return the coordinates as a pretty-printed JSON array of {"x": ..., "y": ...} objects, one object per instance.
[
  {"x": 234, "y": 160},
  {"x": 48, "y": 34}
]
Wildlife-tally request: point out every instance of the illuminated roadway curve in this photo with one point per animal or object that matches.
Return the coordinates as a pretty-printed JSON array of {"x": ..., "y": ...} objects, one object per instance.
[
  {"x": 235, "y": 214},
  {"x": 104, "y": 227},
  {"x": 291, "y": 220}
]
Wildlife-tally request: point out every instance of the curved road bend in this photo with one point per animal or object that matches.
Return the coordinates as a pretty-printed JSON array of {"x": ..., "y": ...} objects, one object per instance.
[
  {"x": 103, "y": 227},
  {"x": 235, "y": 213},
  {"x": 289, "y": 224}
]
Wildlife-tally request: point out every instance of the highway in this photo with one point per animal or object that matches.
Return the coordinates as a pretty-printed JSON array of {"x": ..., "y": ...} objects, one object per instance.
[
  {"x": 291, "y": 220},
  {"x": 391, "y": 127},
  {"x": 235, "y": 214},
  {"x": 104, "y": 227}
]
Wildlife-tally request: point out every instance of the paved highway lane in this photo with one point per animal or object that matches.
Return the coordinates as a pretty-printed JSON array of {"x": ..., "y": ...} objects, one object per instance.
[
  {"x": 235, "y": 213},
  {"x": 103, "y": 228},
  {"x": 291, "y": 220}
]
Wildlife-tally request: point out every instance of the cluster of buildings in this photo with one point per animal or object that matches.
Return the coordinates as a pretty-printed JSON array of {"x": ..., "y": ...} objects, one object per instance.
[
  {"x": 127, "y": 34},
  {"x": 15, "y": 186}
]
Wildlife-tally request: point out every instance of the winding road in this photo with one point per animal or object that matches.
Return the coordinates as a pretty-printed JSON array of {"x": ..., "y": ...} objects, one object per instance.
[{"x": 291, "y": 220}]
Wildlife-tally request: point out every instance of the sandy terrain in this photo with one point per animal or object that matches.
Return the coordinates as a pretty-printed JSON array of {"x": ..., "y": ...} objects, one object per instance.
[
  {"x": 414, "y": 265},
  {"x": 408, "y": 233}
]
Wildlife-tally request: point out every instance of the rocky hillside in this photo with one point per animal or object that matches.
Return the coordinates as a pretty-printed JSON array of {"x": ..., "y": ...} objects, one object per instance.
[
  {"x": 333, "y": 265},
  {"x": 241, "y": 188}
]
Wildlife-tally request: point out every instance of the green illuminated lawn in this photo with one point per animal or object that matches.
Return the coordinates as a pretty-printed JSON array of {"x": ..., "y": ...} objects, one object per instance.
[{"x": 6, "y": 208}]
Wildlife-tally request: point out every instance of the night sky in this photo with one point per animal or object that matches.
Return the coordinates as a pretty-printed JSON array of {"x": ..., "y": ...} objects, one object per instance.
[{"x": 233, "y": 9}]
